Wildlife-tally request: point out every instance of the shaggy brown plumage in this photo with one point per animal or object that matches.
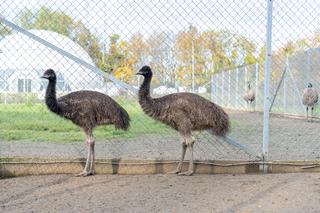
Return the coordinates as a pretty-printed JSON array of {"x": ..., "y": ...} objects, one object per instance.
[
  {"x": 87, "y": 109},
  {"x": 249, "y": 95},
  {"x": 310, "y": 98},
  {"x": 185, "y": 112}
]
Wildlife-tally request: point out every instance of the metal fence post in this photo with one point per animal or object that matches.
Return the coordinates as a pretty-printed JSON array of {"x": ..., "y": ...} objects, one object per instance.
[
  {"x": 237, "y": 88},
  {"x": 246, "y": 82},
  {"x": 265, "y": 144},
  {"x": 257, "y": 85},
  {"x": 212, "y": 88},
  {"x": 222, "y": 87},
  {"x": 192, "y": 65},
  {"x": 285, "y": 85},
  {"x": 229, "y": 88}
]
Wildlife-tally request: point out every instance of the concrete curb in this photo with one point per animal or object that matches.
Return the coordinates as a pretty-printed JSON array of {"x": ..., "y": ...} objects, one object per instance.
[
  {"x": 24, "y": 167},
  {"x": 14, "y": 167}
]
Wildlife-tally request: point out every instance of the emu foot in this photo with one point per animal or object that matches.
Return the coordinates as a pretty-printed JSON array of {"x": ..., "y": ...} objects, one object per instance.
[
  {"x": 85, "y": 174},
  {"x": 187, "y": 173},
  {"x": 177, "y": 171}
]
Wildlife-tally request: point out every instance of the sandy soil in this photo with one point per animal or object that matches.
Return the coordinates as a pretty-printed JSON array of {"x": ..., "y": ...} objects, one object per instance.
[{"x": 162, "y": 193}]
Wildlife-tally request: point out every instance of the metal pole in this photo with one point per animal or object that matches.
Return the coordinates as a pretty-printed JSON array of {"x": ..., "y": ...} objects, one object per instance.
[
  {"x": 265, "y": 144},
  {"x": 212, "y": 88},
  {"x": 257, "y": 86},
  {"x": 237, "y": 88},
  {"x": 216, "y": 88},
  {"x": 277, "y": 90},
  {"x": 192, "y": 65},
  {"x": 246, "y": 82},
  {"x": 285, "y": 85},
  {"x": 229, "y": 88},
  {"x": 175, "y": 70},
  {"x": 222, "y": 86}
]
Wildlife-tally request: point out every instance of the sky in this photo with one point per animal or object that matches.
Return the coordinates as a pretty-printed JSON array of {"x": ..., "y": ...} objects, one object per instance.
[{"x": 292, "y": 19}]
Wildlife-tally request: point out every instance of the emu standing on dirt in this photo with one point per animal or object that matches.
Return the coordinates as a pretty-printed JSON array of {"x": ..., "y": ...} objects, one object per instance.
[
  {"x": 87, "y": 109},
  {"x": 249, "y": 95},
  {"x": 184, "y": 112},
  {"x": 310, "y": 98}
]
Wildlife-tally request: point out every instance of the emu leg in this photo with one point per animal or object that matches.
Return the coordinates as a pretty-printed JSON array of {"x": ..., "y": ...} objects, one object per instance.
[
  {"x": 85, "y": 170},
  {"x": 91, "y": 167},
  {"x": 307, "y": 115},
  {"x": 311, "y": 114},
  {"x": 190, "y": 171},
  {"x": 88, "y": 169},
  {"x": 179, "y": 167}
]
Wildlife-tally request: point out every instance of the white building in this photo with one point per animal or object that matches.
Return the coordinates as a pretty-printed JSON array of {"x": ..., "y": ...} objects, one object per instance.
[{"x": 23, "y": 61}]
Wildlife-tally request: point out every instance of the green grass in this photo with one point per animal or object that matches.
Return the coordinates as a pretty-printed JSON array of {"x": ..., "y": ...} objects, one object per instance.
[{"x": 36, "y": 123}]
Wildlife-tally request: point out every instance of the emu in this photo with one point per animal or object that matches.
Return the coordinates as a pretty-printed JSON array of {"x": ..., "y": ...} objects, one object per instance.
[
  {"x": 249, "y": 95},
  {"x": 184, "y": 112},
  {"x": 310, "y": 98},
  {"x": 87, "y": 109}
]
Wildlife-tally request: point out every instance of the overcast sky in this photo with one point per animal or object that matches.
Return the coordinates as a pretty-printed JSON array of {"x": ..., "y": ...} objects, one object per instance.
[{"x": 292, "y": 19}]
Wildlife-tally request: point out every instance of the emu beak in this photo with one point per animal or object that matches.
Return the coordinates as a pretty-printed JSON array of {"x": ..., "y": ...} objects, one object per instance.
[
  {"x": 139, "y": 73},
  {"x": 45, "y": 76}
]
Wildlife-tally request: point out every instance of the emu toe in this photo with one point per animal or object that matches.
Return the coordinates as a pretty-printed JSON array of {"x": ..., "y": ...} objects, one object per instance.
[
  {"x": 175, "y": 172},
  {"x": 85, "y": 173},
  {"x": 187, "y": 173}
]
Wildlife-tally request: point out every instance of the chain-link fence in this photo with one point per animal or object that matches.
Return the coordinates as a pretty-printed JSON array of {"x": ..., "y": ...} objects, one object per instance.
[{"x": 216, "y": 49}]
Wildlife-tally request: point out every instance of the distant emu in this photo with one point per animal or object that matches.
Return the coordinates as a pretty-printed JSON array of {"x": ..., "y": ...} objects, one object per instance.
[
  {"x": 310, "y": 98},
  {"x": 184, "y": 112},
  {"x": 87, "y": 109},
  {"x": 249, "y": 95}
]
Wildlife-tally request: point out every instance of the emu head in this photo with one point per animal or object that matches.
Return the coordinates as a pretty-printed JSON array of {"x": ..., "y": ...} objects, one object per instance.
[
  {"x": 309, "y": 85},
  {"x": 50, "y": 75},
  {"x": 145, "y": 71}
]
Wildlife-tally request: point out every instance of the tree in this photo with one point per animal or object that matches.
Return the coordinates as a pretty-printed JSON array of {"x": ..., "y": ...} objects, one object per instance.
[
  {"x": 62, "y": 23},
  {"x": 137, "y": 49},
  {"x": 160, "y": 48},
  {"x": 123, "y": 64},
  {"x": 228, "y": 49},
  {"x": 115, "y": 57},
  {"x": 214, "y": 43},
  {"x": 125, "y": 72},
  {"x": 4, "y": 30},
  {"x": 46, "y": 19},
  {"x": 189, "y": 51},
  {"x": 211, "y": 52}
]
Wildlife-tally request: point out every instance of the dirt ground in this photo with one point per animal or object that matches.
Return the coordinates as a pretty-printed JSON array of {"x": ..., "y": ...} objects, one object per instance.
[{"x": 298, "y": 192}]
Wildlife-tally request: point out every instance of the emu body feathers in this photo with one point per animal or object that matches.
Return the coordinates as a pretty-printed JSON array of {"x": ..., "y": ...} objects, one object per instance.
[
  {"x": 90, "y": 109},
  {"x": 187, "y": 112}
]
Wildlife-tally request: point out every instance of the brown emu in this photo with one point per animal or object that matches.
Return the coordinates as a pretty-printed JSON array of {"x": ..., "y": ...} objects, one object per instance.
[
  {"x": 249, "y": 95},
  {"x": 310, "y": 98},
  {"x": 184, "y": 112},
  {"x": 87, "y": 109}
]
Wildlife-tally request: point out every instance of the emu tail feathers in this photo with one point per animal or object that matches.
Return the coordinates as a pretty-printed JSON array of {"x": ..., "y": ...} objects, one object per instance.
[
  {"x": 122, "y": 120},
  {"x": 221, "y": 123}
]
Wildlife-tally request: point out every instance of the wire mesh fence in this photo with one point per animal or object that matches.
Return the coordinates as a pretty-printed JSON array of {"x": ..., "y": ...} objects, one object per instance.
[{"x": 216, "y": 49}]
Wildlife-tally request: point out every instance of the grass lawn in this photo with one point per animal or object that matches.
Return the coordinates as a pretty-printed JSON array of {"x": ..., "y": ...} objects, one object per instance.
[{"x": 36, "y": 123}]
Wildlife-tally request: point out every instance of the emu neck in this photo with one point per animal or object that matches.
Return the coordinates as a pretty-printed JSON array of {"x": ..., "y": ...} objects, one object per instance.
[
  {"x": 144, "y": 91},
  {"x": 51, "y": 99}
]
